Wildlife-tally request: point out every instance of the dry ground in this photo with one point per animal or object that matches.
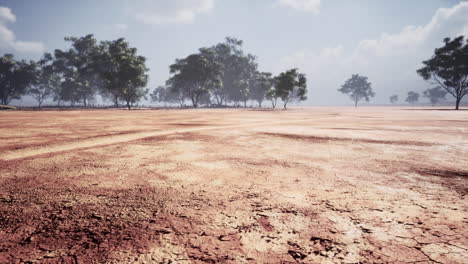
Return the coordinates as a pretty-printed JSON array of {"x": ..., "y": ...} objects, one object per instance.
[{"x": 315, "y": 185}]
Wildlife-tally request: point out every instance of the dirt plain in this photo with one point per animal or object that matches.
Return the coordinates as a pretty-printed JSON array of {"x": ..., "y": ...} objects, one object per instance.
[{"x": 311, "y": 185}]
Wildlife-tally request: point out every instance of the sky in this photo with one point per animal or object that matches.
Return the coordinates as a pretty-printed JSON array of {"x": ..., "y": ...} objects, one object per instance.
[{"x": 328, "y": 40}]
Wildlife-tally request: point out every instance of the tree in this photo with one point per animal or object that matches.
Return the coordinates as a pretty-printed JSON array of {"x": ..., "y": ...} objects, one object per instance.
[
  {"x": 164, "y": 94},
  {"x": 412, "y": 97},
  {"x": 122, "y": 73},
  {"x": 15, "y": 77},
  {"x": 46, "y": 81},
  {"x": 192, "y": 75},
  {"x": 358, "y": 88},
  {"x": 244, "y": 75},
  {"x": 290, "y": 86},
  {"x": 159, "y": 94},
  {"x": 261, "y": 85},
  {"x": 77, "y": 68},
  {"x": 435, "y": 94},
  {"x": 272, "y": 96},
  {"x": 236, "y": 72},
  {"x": 394, "y": 99},
  {"x": 448, "y": 68}
]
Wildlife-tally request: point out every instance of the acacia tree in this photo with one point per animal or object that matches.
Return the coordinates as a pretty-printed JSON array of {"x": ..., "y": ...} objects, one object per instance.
[
  {"x": 435, "y": 94},
  {"x": 191, "y": 76},
  {"x": 76, "y": 66},
  {"x": 357, "y": 88},
  {"x": 412, "y": 98},
  {"x": 15, "y": 77},
  {"x": 46, "y": 81},
  {"x": 394, "y": 99},
  {"x": 291, "y": 86},
  {"x": 448, "y": 68}
]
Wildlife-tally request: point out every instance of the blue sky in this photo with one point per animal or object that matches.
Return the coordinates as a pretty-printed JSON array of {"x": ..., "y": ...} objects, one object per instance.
[{"x": 328, "y": 40}]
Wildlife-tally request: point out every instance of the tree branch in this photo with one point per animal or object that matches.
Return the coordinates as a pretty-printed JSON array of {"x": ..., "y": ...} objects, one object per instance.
[{"x": 434, "y": 76}]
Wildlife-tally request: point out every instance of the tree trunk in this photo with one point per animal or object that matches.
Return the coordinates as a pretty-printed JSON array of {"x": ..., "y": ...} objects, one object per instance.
[
  {"x": 194, "y": 102},
  {"x": 457, "y": 103},
  {"x": 355, "y": 103},
  {"x": 129, "y": 106}
]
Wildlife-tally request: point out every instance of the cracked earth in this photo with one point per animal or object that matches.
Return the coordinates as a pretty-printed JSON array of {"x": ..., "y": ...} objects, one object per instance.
[{"x": 312, "y": 185}]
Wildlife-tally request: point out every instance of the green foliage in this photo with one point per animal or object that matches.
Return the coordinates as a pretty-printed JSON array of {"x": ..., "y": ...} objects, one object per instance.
[
  {"x": 291, "y": 86},
  {"x": 448, "y": 68},
  {"x": 236, "y": 72},
  {"x": 193, "y": 75},
  {"x": 77, "y": 69},
  {"x": 15, "y": 77},
  {"x": 260, "y": 86},
  {"x": 46, "y": 82},
  {"x": 216, "y": 75},
  {"x": 121, "y": 71},
  {"x": 357, "y": 88},
  {"x": 165, "y": 94}
]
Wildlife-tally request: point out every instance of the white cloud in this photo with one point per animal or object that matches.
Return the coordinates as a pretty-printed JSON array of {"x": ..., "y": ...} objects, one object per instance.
[
  {"x": 390, "y": 61},
  {"x": 303, "y": 5},
  {"x": 6, "y": 15},
  {"x": 157, "y": 12},
  {"x": 8, "y": 39}
]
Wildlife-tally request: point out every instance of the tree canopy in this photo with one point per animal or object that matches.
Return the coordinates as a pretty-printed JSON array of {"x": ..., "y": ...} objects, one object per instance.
[
  {"x": 394, "y": 99},
  {"x": 448, "y": 68},
  {"x": 46, "y": 81},
  {"x": 412, "y": 97},
  {"x": 218, "y": 75},
  {"x": 15, "y": 77},
  {"x": 357, "y": 88},
  {"x": 291, "y": 86},
  {"x": 192, "y": 75},
  {"x": 121, "y": 71},
  {"x": 435, "y": 95},
  {"x": 76, "y": 66}
]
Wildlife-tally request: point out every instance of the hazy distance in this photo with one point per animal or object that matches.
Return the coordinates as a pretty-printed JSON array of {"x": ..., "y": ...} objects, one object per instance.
[{"x": 328, "y": 40}]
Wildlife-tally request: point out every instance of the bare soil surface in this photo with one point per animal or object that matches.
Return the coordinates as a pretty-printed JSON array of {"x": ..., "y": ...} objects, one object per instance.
[{"x": 312, "y": 185}]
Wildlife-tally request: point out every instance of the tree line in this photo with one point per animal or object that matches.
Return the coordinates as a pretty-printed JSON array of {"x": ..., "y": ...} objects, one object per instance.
[
  {"x": 220, "y": 75},
  {"x": 223, "y": 75},
  {"x": 110, "y": 68},
  {"x": 435, "y": 96}
]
